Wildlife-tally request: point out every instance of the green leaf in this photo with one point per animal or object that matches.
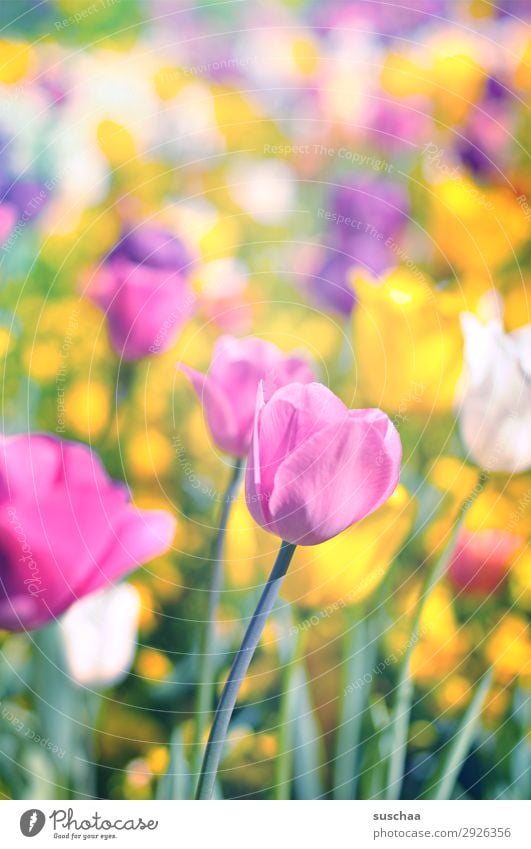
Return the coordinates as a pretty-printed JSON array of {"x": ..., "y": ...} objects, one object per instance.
[
  {"x": 460, "y": 745},
  {"x": 359, "y": 655},
  {"x": 307, "y": 751},
  {"x": 398, "y": 731},
  {"x": 176, "y": 783}
]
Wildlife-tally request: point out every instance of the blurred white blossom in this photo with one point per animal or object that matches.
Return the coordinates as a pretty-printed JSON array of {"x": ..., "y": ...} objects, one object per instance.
[
  {"x": 495, "y": 395},
  {"x": 99, "y": 634}
]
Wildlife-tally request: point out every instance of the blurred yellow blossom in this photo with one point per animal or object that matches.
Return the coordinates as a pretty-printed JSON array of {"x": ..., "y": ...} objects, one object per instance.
[
  {"x": 408, "y": 342},
  {"x": 15, "y": 60},
  {"x": 348, "y": 568},
  {"x": 509, "y": 649},
  {"x": 476, "y": 228},
  {"x": 86, "y": 408},
  {"x": 152, "y": 665}
]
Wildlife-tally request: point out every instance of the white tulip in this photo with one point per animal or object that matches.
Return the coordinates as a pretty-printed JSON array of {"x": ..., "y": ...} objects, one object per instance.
[
  {"x": 495, "y": 395},
  {"x": 99, "y": 635}
]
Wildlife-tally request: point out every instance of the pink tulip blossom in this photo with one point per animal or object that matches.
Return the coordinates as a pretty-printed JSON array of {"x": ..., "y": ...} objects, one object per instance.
[
  {"x": 316, "y": 467},
  {"x": 228, "y": 391},
  {"x": 66, "y": 529},
  {"x": 144, "y": 291}
]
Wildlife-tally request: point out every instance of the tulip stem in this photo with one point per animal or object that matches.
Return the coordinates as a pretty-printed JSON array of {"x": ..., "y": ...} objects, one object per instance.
[
  {"x": 399, "y": 725},
  {"x": 238, "y": 671},
  {"x": 205, "y": 684}
]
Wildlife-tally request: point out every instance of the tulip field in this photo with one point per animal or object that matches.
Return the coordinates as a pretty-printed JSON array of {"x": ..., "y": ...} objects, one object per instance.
[{"x": 265, "y": 340}]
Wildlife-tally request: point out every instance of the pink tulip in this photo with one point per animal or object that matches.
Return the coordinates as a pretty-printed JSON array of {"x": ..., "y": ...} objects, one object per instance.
[
  {"x": 316, "y": 467},
  {"x": 146, "y": 307},
  {"x": 480, "y": 563},
  {"x": 228, "y": 391},
  {"x": 143, "y": 288},
  {"x": 66, "y": 529}
]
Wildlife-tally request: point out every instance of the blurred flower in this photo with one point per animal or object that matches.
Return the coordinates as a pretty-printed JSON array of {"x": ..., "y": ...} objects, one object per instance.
[
  {"x": 99, "y": 634},
  {"x": 453, "y": 694},
  {"x": 17, "y": 57},
  {"x": 152, "y": 665},
  {"x": 441, "y": 647},
  {"x": 86, "y": 408},
  {"x": 520, "y": 581},
  {"x": 265, "y": 190},
  {"x": 475, "y": 228},
  {"x": 228, "y": 391},
  {"x": 8, "y": 218},
  {"x": 495, "y": 400},
  {"x": 408, "y": 342},
  {"x": 347, "y": 569},
  {"x": 509, "y": 649},
  {"x": 143, "y": 289},
  {"x": 330, "y": 285},
  {"x": 316, "y": 467},
  {"x": 368, "y": 216},
  {"x": 480, "y": 563},
  {"x": 67, "y": 529}
]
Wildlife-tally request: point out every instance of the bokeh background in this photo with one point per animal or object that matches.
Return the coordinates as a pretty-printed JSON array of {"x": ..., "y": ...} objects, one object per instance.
[{"x": 344, "y": 178}]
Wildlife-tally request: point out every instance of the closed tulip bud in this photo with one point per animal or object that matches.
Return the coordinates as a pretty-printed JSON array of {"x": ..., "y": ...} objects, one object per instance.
[
  {"x": 495, "y": 400},
  {"x": 143, "y": 289},
  {"x": 316, "y": 467},
  {"x": 228, "y": 391}
]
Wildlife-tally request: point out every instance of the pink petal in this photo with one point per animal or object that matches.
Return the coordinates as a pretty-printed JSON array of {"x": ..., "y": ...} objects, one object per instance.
[
  {"x": 139, "y": 537},
  {"x": 337, "y": 477},
  {"x": 217, "y": 407},
  {"x": 29, "y": 464}
]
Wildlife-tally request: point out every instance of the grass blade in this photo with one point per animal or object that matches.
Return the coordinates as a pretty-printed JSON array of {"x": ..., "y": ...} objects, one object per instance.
[{"x": 461, "y": 742}]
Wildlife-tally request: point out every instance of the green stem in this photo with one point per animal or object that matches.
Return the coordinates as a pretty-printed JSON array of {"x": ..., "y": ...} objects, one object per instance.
[
  {"x": 206, "y": 683},
  {"x": 358, "y": 658},
  {"x": 461, "y": 742},
  {"x": 398, "y": 729},
  {"x": 287, "y": 719},
  {"x": 238, "y": 671}
]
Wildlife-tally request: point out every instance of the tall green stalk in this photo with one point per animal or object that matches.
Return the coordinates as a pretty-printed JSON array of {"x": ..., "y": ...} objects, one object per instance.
[
  {"x": 205, "y": 684},
  {"x": 238, "y": 671},
  {"x": 359, "y": 653},
  {"x": 398, "y": 729}
]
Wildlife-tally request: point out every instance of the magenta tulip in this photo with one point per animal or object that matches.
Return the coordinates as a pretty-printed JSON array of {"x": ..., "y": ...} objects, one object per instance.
[
  {"x": 228, "y": 391},
  {"x": 143, "y": 288},
  {"x": 316, "y": 467},
  {"x": 66, "y": 529}
]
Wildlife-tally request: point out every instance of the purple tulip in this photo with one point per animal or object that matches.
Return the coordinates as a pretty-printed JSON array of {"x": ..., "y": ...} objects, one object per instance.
[
  {"x": 369, "y": 215},
  {"x": 143, "y": 289},
  {"x": 66, "y": 529},
  {"x": 316, "y": 467},
  {"x": 330, "y": 287},
  {"x": 228, "y": 391},
  {"x": 150, "y": 245}
]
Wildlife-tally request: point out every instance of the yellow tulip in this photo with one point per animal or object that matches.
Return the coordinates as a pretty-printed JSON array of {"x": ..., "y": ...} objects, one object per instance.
[
  {"x": 476, "y": 228},
  {"x": 509, "y": 649},
  {"x": 442, "y": 645},
  {"x": 408, "y": 342}
]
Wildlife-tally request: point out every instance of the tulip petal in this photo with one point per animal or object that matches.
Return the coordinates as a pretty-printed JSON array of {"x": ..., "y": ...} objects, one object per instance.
[
  {"x": 218, "y": 410},
  {"x": 140, "y": 536},
  {"x": 28, "y": 463},
  {"x": 337, "y": 477}
]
